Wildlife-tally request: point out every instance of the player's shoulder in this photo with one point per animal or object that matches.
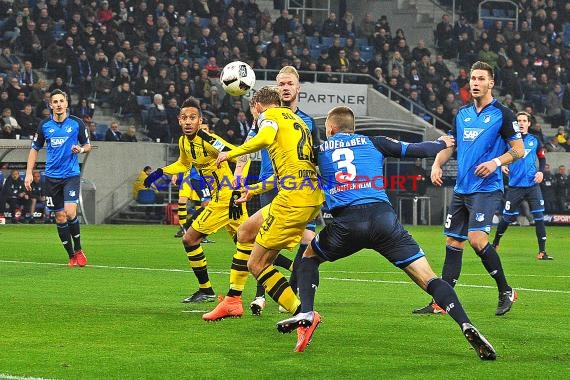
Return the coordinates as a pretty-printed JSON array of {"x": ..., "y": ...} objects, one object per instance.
[
  {"x": 45, "y": 122},
  {"x": 306, "y": 118},
  {"x": 506, "y": 111},
  {"x": 76, "y": 120}
]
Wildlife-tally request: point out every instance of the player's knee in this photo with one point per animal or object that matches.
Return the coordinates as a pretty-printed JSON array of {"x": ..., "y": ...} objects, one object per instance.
[
  {"x": 478, "y": 242},
  {"x": 254, "y": 267},
  {"x": 452, "y": 242},
  {"x": 191, "y": 238},
  {"x": 245, "y": 234}
]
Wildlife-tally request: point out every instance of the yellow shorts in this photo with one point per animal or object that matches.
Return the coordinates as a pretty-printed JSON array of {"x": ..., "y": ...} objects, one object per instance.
[
  {"x": 283, "y": 225},
  {"x": 215, "y": 216},
  {"x": 187, "y": 191}
]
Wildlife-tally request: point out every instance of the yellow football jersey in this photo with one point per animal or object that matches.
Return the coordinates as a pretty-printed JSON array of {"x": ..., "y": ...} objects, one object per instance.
[
  {"x": 292, "y": 156},
  {"x": 202, "y": 155}
]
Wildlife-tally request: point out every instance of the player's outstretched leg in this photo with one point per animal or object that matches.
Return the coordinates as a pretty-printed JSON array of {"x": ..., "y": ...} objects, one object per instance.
[
  {"x": 481, "y": 346},
  {"x": 305, "y": 324}
]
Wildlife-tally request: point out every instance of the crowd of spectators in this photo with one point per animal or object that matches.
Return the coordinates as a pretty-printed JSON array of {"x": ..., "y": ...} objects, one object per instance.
[
  {"x": 531, "y": 60},
  {"x": 112, "y": 52},
  {"x": 143, "y": 58}
]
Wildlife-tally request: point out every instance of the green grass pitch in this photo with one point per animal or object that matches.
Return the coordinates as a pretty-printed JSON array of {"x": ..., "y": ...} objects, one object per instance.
[{"x": 121, "y": 317}]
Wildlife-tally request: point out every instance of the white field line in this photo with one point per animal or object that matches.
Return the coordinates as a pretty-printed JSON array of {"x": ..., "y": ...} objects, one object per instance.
[
  {"x": 323, "y": 275},
  {"x": 13, "y": 377}
]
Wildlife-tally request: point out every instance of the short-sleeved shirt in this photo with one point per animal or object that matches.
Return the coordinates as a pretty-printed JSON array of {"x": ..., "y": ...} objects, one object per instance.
[
  {"x": 522, "y": 171},
  {"x": 59, "y": 138},
  {"x": 480, "y": 137}
]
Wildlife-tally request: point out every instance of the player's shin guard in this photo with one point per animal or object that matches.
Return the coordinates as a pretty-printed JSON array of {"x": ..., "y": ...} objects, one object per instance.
[
  {"x": 65, "y": 237},
  {"x": 452, "y": 265},
  {"x": 182, "y": 213},
  {"x": 492, "y": 264},
  {"x": 239, "y": 271},
  {"x": 540, "y": 234},
  {"x": 75, "y": 233},
  {"x": 278, "y": 289},
  {"x": 308, "y": 272},
  {"x": 283, "y": 262},
  {"x": 293, "y": 279},
  {"x": 444, "y": 295},
  {"x": 199, "y": 265},
  {"x": 280, "y": 261}
]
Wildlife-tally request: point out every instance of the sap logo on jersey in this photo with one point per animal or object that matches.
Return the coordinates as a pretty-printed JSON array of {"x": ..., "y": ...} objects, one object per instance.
[
  {"x": 470, "y": 134},
  {"x": 56, "y": 142}
]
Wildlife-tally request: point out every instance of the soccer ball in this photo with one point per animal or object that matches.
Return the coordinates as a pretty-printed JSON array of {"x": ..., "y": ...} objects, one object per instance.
[{"x": 237, "y": 78}]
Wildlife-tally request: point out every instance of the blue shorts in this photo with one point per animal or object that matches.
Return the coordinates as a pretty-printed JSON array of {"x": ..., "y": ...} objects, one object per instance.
[
  {"x": 60, "y": 191},
  {"x": 471, "y": 212},
  {"x": 515, "y": 195},
  {"x": 371, "y": 225}
]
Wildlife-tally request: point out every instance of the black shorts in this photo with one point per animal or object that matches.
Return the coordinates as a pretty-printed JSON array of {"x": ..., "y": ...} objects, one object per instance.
[
  {"x": 515, "y": 195},
  {"x": 372, "y": 225},
  {"x": 471, "y": 212},
  {"x": 60, "y": 191}
]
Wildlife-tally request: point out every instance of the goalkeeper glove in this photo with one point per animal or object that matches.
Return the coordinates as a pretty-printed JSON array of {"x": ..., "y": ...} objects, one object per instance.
[
  {"x": 153, "y": 177},
  {"x": 236, "y": 210}
]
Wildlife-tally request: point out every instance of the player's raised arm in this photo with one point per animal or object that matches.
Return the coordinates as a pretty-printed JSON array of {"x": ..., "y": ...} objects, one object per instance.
[{"x": 394, "y": 148}]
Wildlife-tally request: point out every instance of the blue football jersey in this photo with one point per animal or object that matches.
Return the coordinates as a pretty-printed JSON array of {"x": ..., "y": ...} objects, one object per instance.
[
  {"x": 522, "y": 171},
  {"x": 59, "y": 138},
  {"x": 480, "y": 138},
  {"x": 266, "y": 170},
  {"x": 351, "y": 166}
]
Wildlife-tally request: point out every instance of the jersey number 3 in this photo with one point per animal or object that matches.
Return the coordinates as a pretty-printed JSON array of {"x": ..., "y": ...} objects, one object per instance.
[{"x": 343, "y": 158}]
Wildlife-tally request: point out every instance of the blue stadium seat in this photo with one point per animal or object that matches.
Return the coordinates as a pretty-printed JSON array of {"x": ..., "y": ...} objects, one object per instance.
[
  {"x": 146, "y": 197},
  {"x": 315, "y": 53},
  {"x": 361, "y": 42},
  {"x": 327, "y": 41},
  {"x": 312, "y": 41},
  {"x": 101, "y": 130},
  {"x": 366, "y": 55},
  {"x": 484, "y": 12},
  {"x": 567, "y": 34},
  {"x": 144, "y": 101},
  {"x": 499, "y": 13},
  {"x": 204, "y": 22}
]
